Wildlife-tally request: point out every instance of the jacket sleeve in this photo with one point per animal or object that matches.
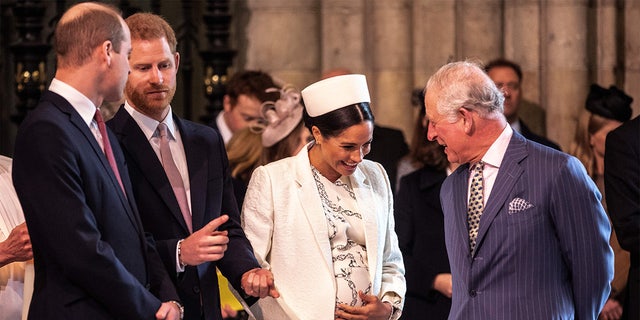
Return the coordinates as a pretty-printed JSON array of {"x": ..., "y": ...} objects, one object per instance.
[{"x": 583, "y": 231}]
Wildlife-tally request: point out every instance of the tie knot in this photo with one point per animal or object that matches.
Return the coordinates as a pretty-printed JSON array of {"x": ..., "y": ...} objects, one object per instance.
[
  {"x": 163, "y": 130},
  {"x": 478, "y": 166},
  {"x": 98, "y": 116}
]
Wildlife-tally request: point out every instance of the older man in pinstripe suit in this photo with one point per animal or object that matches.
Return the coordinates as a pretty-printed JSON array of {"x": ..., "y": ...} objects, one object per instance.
[{"x": 534, "y": 244}]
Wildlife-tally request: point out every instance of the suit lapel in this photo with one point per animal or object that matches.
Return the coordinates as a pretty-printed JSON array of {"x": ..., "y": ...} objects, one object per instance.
[
  {"x": 79, "y": 123},
  {"x": 197, "y": 165},
  {"x": 138, "y": 147},
  {"x": 508, "y": 174},
  {"x": 311, "y": 205},
  {"x": 460, "y": 182}
]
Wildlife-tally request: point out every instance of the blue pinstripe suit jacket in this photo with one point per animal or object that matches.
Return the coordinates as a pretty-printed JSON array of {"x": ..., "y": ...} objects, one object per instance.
[{"x": 550, "y": 261}]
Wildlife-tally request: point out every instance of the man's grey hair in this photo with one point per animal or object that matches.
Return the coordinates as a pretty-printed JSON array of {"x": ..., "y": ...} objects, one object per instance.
[{"x": 465, "y": 84}]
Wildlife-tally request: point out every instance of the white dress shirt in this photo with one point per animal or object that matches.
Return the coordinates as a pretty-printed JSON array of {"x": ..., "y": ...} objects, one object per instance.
[
  {"x": 80, "y": 103},
  {"x": 223, "y": 128},
  {"x": 149, "y": 127},
  {"x": 492, "y": 160}
]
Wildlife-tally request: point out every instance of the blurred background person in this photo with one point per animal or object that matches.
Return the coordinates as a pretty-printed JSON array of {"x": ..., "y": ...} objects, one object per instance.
[
  {"x": 507, "y": 75},
  {"x": 285, "y": 133},
  {"x": 246, "y": 91},
  {"x": 622, "y": 184},
  {"x": 16, "y": 266},
  {"x": 244, "y": 151},
  {"x": 420, "y": 229},
  {"x": 322, "y": 220},
  {"x": 606, "y": 109}
]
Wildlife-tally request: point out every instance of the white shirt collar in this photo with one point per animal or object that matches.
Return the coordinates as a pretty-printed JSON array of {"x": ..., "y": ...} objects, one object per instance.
[
  {"x": 495, "y": 154},
  {"x": 223, "y": 128},
  {"x": 83, "y": 105},
  {"x": 149, "y": 125}
]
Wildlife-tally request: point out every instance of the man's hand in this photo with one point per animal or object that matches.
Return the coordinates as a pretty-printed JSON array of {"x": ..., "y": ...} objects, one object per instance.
[
  {"x": 443, "y": 284},
  {"x": 168, "y": 311},
  {"x": 612, "y": 310},
  {"x": 259, "y": 282},
  {"x": 17, "y": 247},
  {"x": 373, "y": 308},
  {"x": 206, "y": 244}
]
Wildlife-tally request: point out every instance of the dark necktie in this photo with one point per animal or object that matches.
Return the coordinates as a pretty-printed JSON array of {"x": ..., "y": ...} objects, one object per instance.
[
  {"x": 106, "y": 145},
  {"x": 476, "y": 204},
  {"x": 173, "y": 174}
]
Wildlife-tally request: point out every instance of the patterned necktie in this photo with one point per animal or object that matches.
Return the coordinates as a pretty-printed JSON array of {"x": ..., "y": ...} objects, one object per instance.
[
  {"x": 174, "y": 175},
  {"x": 476, "y": 204},
  {"x": 106, "y": 146}
]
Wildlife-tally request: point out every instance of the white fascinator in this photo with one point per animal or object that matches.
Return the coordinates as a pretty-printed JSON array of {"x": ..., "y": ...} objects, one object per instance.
[{"x": 281, "y": 116}]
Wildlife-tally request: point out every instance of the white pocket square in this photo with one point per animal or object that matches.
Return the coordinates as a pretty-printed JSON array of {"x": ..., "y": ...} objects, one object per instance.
[{"x": 518, "y": 204}]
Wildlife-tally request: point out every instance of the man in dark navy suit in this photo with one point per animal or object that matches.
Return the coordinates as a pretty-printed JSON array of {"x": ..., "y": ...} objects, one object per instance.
[
  {"x": 622, "y": 187},
  {"x": 197, "y": 228},
  {"x": 92, "y": 259},
  {"x": 526, "y": 234},
  {"x": 507, "y": 76}
]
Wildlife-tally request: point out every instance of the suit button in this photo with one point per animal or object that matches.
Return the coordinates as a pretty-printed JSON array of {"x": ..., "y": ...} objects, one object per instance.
[
  {"x": 472, "y": 293},
  {"x": 196, "y": 289}
]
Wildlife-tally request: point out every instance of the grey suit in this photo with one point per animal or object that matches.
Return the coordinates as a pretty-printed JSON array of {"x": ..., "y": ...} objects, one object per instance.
[{"x": 543, "y": 243}]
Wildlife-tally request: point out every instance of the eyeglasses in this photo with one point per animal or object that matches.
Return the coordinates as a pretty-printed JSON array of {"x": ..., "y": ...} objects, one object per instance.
[{"x": 511, "y": 86}]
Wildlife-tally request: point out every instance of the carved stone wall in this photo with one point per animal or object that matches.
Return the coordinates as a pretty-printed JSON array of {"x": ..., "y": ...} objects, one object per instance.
[{"x": 562, "y": 45}]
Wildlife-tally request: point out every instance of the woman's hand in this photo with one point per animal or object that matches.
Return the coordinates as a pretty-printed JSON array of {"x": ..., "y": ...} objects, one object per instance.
[{"x": 374, "y": 308}]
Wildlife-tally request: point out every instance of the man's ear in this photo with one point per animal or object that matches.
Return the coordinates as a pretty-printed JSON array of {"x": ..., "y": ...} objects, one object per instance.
[
  {"x": 468, "y": 119},
  {"x": 176, "y": 58},
  {"x": 226, "y": 103},
  {"x": 106, "y": 50}
]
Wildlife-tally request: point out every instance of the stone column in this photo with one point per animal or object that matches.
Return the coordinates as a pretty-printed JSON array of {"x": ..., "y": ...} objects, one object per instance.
[
  {"x": 522, "y": 43},
  {"x": 390, "y": 76},
  {"x": 284, "y": 39},
  {"x": 632, "y": 53},
  {"x": 433, "y": 37},
  {"x": 565, "y": 75},
  {"x": 343, "y": 35},
  {"x": 478, "y": 29},
  {"x": 605, "y": 42}
]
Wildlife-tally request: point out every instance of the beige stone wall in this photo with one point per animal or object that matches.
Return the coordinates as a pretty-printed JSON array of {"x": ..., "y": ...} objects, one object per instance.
[{"x": 562, "y": 45}]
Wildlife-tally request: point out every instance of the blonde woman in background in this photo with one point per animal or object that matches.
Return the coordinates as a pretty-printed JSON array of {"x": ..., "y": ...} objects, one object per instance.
[{"x": 606, "y": 109}]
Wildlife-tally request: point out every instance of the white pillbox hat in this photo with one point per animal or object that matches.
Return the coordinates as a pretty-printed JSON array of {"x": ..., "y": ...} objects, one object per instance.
[{"x": 334, "y": 93}]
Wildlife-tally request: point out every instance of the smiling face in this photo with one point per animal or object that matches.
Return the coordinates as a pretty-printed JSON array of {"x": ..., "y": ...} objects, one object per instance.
[
  {"x": 152, "y": 81},
  {"x": 340, "y": 155},
  {"x": 450, "y": 135}
]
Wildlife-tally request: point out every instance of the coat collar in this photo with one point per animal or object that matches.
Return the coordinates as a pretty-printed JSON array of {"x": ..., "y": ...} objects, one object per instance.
[
  {"x": 76, "y": 120},
  {"x": 509, "y": 173},
  {"x": 312, "y": 206},
  {"x": 139, "y": 149}
]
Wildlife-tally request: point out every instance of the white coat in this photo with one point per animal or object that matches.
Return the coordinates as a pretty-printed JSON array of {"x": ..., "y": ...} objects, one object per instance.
[{"x": 282, "y": 217}]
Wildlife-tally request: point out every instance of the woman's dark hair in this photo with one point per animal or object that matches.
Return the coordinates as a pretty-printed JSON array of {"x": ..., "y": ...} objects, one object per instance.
[{"x": 332, "y": 124}]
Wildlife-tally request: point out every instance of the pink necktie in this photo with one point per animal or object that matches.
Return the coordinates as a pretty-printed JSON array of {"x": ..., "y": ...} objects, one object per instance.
[
  {"x": 106, "y": 145},
  {"x": 173, "y": 174}
]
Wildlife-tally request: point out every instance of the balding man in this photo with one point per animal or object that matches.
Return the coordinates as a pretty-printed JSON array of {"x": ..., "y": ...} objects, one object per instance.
[{"x": 92, "y": 259}]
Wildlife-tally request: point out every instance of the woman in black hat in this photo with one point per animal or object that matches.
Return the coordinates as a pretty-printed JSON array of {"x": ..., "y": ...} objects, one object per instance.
[{"x": 606, "y": 109}]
